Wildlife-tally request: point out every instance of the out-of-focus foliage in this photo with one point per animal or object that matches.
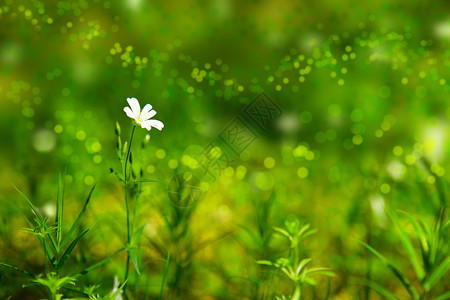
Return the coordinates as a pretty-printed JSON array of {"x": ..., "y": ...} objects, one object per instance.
[{"x": 361, "y": 91}]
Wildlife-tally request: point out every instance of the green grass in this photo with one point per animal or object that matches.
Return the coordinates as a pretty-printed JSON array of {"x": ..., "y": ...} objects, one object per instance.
[{"x": 277, "y": 114}]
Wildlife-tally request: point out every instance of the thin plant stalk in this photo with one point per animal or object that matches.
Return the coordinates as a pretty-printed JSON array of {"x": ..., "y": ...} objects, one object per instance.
[
  {"x": 297, "y": 292},
  {"x": 125, "y": 181},
  {"x": 45, "y": 257}
]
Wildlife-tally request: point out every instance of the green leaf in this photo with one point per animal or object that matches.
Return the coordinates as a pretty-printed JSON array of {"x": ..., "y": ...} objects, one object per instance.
[
  {"x": 38, "y": 215},
  {"x": 119, "y": 289},
  {"x": 99, "y": 264},
  {"x": 423, "y": 241},
  {"x": 136, "y": 238},
  {"x": 305, "y": 235},
  {"x": 292, "y": 224},
  {"x": 321, "y": 271},
  {"x": 288, "y": 273},
  {"x": 301, "y": 265},
  {"x": 132, "y": 251},
  {"x": 54, "y": 283},
  {"x": 283, "y": 232},
  {"x": 119, "y": 176},
  {"x": 303, "y": 230},
  {"x": 59, "y": 213},
  {"x": 18, "y": 269},
  {"x": 166, "y": 269},
  {"x": 70, "y": 248},
  {"x": 264, "y": 262},
  {"x": 418, "y": 268},
  {"x": 31, "y": 204},
  {"x": 437, "y": 274},
  {"x": 310, "y": 281},
  {"x": 411, "y": 290},
  {"x": 74, "y": 225}
]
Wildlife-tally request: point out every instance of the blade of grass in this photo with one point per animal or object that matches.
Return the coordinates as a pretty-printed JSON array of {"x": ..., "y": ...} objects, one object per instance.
[
  {"x": 59, "y": 213},
  {"x": 99, "y": 264},
  {"x": 411, "y": 290},
  {"x": 412, "y": 255},
  {"x": 166, "y": 268},
  {"x": 437, "y": 274},
  {"x": 74, "y": 225},
  {"x": 38, "y": 215},
  {"x": 380, "y": 290},
  {"x": 119, "y": 289},
  {"x": 18, "y": 269},
  {"x": 70, "y": 248},
  {"x": 30, "y": 204},
  {"x": 422, "y": 238}
]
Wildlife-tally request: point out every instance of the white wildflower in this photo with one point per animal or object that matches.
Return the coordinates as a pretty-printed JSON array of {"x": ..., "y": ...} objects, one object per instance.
[{"x": 142, "y": 117}]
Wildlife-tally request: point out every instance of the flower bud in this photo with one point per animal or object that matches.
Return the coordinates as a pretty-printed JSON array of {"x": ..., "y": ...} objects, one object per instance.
[
  {"x": 117, "y": 130},
  {"x": 145, "y": 141}
]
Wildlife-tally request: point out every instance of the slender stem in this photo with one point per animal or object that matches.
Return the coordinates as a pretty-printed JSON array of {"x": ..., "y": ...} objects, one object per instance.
[
  {"x": 297, "y": 292},
  {"x": 369, "y": 226},
  {"x": 45, "y": 256},
  {"x": 295, "y": 257},
  {"x": 125, "y": 178}
]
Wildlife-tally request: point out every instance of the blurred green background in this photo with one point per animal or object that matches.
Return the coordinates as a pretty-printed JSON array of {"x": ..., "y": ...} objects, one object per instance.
[{"x": 364, "y": 93}]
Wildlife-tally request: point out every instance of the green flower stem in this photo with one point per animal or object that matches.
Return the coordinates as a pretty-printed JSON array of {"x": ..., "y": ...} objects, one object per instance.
[
  {"x": 297, "y": 292},
  {"x": 125, "y": 177}
]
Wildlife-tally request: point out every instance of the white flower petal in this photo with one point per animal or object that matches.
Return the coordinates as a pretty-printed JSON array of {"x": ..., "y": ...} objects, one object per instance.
[
  {"x": 152, "y": 123},
  {"x": 135, "y": 107},
  {"x": 157, "y": 124},
  {"x": 146, "y": 125},
  {"x": 148, "y": 115},
  {"x": 145, "y": 111},
  {"x": 129, "y": 113}
]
